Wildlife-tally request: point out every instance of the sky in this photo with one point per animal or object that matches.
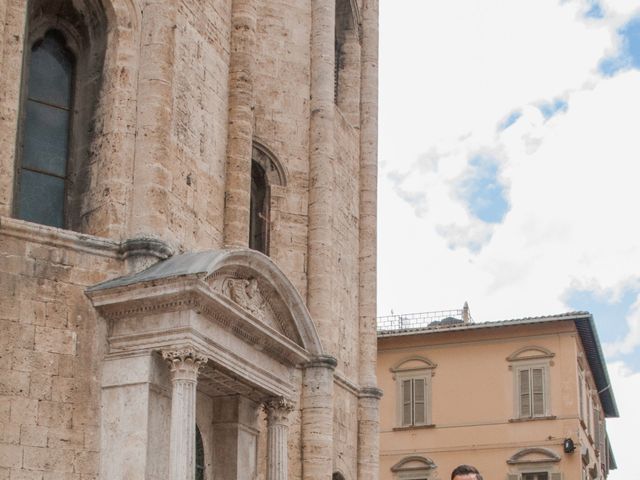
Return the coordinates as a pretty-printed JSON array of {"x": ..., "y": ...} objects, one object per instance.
[{"x": 510, "y": 169}]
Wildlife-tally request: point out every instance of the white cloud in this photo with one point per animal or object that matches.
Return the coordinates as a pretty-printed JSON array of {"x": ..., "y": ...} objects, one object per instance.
[
  {"x": 451, "y": 72},
  {"x": 632, "y": 340}
]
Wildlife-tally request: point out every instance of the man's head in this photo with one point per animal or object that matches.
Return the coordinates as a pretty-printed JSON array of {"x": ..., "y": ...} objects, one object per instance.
[{"x": 465, "y": 472}]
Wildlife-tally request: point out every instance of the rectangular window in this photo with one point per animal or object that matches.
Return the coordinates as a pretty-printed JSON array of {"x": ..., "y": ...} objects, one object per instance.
[
  {"x": 535, "y": 476},
  {"x": 531, "y": 390},
  {"x": 414, "y": 402}
]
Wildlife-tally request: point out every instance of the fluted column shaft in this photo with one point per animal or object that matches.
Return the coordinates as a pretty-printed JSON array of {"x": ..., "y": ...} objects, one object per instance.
[
  {"x": 184, "y": 365},
  {"x": 278, "y": 410},
  {"x": 317, "y": 419}
]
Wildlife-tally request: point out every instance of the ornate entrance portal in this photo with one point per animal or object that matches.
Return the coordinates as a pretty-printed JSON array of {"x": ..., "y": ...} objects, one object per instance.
[{"x": 207, "y": 338}]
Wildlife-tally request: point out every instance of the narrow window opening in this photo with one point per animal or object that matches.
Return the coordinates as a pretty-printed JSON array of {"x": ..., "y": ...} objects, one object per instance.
[
  {"x": 199, "y": 456},
  {"x": 259, "y": 210},
  {"x": 47, "y": 112}
]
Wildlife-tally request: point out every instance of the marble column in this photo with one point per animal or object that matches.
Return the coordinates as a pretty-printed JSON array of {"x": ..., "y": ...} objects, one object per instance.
[
  {"x": 278, "y": 410},
  {"x": 184, "y": 365}
]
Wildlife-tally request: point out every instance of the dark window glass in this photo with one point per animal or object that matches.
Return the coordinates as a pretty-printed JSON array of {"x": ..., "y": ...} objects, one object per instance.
[
  {"x": 199, "y": 456},
  {"x": 259, "y": 215},
  {"x": 41, "y": 198},
  {"x": 45, "y": 136}
]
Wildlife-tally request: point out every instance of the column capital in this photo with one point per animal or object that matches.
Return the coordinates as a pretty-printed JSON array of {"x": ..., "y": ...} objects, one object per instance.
[
  {"x": 278, "y": 409},
  {"x": 184, "y": 363},
  {"x": 323, "y": 361},
  {"x": 370, "y": 392}
]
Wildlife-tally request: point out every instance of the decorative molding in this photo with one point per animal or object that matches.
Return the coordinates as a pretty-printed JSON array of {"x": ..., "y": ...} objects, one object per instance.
[
  {"x": 425, "y": 364},
  {"x": 371, "y": 392},
  {"x": 145, "y": 247},
  {"x": 323, "y": 361},
  {"x": 537, "y": 353},
  {"x": 548, "y": 456},
  {"x": 419, "y": 464},
  {"x": 59, "y": 238}
]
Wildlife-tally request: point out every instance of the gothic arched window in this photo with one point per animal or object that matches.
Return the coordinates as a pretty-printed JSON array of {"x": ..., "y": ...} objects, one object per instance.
[
  {"x": 199, "y": 456},
  {"x": 63, "y": 63},
  {"x": 47, "y": 112}
]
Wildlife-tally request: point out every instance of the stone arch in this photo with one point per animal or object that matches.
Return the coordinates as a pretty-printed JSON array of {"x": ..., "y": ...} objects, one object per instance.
[
  {"x": 264, "y": 156},
  {"x": 533, "y": 455},
  {"x": 530, "y": 352}
]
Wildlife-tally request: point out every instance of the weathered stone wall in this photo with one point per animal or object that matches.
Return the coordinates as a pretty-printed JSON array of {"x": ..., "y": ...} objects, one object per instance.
[
  {"x": 158, "y": 166},
  {"x": 51, "y": 342}
]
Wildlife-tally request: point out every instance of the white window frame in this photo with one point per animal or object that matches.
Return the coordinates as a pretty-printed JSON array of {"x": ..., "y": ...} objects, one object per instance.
[
  {"x": 412, "y": 369},
  {"x": 528, "y": 358}
]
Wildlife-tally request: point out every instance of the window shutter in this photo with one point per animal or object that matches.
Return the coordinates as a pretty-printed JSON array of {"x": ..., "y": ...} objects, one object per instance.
[
  {"x": 523, "y": 390},
  {"x": 537, "y": 388},
  {"x": 406, "y": 402},
  {"x": 419, "y": 396},
  {"x": 556, "y": 476},
  {"x": 581, "y": 396},
  {"x": 512, "y": 476}
]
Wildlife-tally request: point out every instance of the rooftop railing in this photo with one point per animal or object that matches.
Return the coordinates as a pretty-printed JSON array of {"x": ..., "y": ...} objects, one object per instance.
[{"x": 420, "y": 321}]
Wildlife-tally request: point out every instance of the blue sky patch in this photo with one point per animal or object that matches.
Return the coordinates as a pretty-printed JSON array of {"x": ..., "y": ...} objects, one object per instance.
[
  {"x": 609, "y": 314},
  {"x": 595, "y": 11},
  {"x": 510, "y": 120},
  {"x": 549, "y": 109},
  {"x": 629, "y": 54},
  {"x": 481, "y": 190}
]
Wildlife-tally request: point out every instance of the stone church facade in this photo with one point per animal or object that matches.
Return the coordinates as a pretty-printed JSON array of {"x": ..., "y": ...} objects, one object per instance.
[{"x": 188, "y": 239}]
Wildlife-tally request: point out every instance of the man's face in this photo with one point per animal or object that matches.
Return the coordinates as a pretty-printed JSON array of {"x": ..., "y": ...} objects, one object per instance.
[{"x": 466, "y": 476}]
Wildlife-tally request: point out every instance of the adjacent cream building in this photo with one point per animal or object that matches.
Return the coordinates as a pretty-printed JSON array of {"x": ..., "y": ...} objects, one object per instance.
[
  {"x": 520, "y": 399},
  {"x": 188, "y": 239}
]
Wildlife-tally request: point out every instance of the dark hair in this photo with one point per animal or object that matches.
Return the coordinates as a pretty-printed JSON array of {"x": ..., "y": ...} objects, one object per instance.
[{"x": 465, "y": 470}]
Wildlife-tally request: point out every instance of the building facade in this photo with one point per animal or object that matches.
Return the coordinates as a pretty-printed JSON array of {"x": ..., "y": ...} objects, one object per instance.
[
  {"x": 519, "y": 399},
  {"x": 188, "y": 239}
]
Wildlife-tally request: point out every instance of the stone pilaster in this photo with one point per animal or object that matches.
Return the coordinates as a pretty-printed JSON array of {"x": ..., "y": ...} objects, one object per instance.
[
  {"x": 368, "y": 433},
  {"x": 317, "y": 418},
  {"x": 278, "y": 410},
  {"x": 321, "y": 158},
  {"x": 184, "y": 365},
  {"x": 240, "y": 136}
]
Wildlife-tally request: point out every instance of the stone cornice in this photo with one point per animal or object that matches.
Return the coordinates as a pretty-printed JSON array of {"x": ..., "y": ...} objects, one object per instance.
[{"x": 58, "y": 237}]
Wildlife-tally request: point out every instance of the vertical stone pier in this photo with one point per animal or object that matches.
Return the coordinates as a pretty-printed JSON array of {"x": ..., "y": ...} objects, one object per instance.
[
  {"x": 317, "y": 418},
  {"x": 184, "y": 365}
]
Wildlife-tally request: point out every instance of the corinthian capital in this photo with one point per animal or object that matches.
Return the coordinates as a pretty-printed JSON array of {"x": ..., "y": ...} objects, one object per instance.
[
  {"x": 278, "y": 409},
  {"x": 184, "y": 363}
]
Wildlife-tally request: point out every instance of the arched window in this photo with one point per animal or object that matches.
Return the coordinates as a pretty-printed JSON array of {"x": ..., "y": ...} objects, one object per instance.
[
  {"x": 199, "y": 456},
  {"x": 47, "y": 115},
  {"x": 337, "y": 476},
  {"x": 259, "y": 216},
  {"x": 268, "y": 180},
  {"x": 62, "y": 71}
]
